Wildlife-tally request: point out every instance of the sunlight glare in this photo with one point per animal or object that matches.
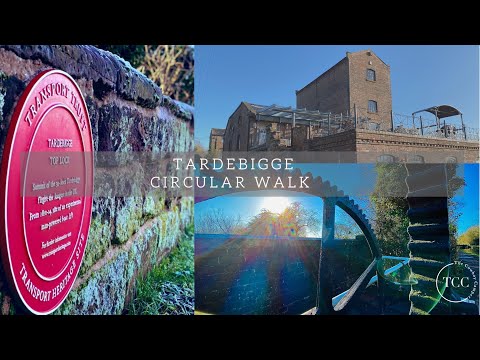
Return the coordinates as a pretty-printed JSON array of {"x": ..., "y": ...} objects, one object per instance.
[{"x": 275, "y": 204}]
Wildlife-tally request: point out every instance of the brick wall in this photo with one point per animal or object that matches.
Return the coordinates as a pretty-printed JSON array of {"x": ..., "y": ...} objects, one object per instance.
[
  {"x": 371, "y": 144},
  {"x": 329, "y": 92},
  {"x": 238, "y": 128},
  {"x": 345, "y": 84},
  {"x": 344, "y": 141},
  {"x": 216, "y": 144},
  {"x": 255, "y": 276},
  {"x": 362, "y": 90},
  {"x": 128, "y": 235}
]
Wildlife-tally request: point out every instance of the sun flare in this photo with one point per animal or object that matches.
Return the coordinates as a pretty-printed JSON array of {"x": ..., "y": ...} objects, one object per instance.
[{"x": 275, "y": 204}]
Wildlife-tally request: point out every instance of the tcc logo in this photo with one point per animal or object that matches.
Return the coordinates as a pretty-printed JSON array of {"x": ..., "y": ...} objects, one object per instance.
[
  {"x": 460, "y": 279},
  {"x": 457, "y": 281}
]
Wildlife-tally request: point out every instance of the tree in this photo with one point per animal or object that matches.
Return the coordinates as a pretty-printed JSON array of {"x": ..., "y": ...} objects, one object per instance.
[
  {"x": 345, "y": 227},
  {"x": 469, "y": 237},
  {"x": 170, "y": 66},
  {"x": 390, "y": 207},
  {"x": 262, "y": 224},
  {"x": 295, "y": 221},
  {"x": 215, "y": 221}
]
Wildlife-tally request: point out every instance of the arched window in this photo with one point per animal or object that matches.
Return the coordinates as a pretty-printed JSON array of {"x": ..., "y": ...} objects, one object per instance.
[
  {"x": 238, "y": 142},
  {"x": 416, "y": 159},
  {"x": 372, "y": 106},
  {"x": 385, "y": 159},
  {"x": 371, "y": 76}
]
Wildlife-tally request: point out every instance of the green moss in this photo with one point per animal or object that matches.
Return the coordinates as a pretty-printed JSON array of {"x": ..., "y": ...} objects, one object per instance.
[
  {"x": 97, "y": 244},
  {"x": 127, "y": 218},
  {"x": 105, "y": 291},
  {"x": 152, "y": 206}
]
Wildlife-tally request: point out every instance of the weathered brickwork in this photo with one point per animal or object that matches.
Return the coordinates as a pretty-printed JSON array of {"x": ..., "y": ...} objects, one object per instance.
[
  {"x": 369, "y": 145},
  {"x": 128, "y": 112},
  {"x": 215, "y": 145},
  {"x": 345, "y": 86},
  {"x": 329, "y": 92},
  {"x": 236, "y": 136}
]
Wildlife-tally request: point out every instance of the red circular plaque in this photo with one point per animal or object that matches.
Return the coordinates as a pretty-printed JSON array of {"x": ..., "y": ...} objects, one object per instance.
[{"x": 46, "y": 191}]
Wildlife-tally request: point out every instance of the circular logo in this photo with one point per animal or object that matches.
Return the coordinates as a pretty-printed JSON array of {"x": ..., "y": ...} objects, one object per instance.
[
  {"x": 456, "y": 282},
  {"x": 46, "y": 191}
]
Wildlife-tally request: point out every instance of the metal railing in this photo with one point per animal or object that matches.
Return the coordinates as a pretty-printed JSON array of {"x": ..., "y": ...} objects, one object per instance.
[
  {"x": 403, "y": 261},
  {"x": 447, "y": 128},
  {"x": 360, "y": 118}
]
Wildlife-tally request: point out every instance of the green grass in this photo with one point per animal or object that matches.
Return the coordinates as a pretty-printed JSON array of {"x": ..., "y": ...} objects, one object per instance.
[{"x": 169, "y": 288}]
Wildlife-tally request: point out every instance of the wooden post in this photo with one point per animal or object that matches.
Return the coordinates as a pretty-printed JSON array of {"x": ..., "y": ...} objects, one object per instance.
[
  {"x": 421, "y": 125},
  {"x": 445, "y": 127}
]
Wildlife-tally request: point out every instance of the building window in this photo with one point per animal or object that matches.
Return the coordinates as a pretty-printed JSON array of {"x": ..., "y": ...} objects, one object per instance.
[
  {"x": 416, "y": 159},
  {"x": 386, "y": 159},
  {"x": 238, "y": 142},
  {"x": 371, "y": 75},
  {"x": 372, "y": 106}
]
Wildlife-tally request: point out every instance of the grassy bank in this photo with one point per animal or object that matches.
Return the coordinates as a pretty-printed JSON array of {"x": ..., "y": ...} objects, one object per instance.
[{"x": 168, "y": 288}]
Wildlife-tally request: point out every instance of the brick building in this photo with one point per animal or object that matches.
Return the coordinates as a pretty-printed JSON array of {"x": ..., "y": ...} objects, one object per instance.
[
  {"x": 359, "y": 82},
  {"x": 349, "y": 108},
  {"x": 215, "y": 145}
]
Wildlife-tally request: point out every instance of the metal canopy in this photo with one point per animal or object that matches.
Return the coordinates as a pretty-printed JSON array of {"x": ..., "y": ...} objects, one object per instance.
[
  {"x": 275, "y": 113},
  {"x": 441, "y": 111}
]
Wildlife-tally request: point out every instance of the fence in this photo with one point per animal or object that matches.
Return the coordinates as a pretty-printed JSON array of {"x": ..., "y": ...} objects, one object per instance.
[
  {"x": 360, "y": 118},
  {"x": 325, "y": 124},
  {"x": 450, "y": 128}
]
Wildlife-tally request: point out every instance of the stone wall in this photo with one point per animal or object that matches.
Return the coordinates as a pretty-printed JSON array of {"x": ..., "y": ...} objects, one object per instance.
[{"x": 128, "y": 235}]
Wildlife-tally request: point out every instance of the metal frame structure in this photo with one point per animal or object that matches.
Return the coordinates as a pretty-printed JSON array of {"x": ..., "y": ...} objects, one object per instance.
[
  {"x": 333, "y": 123},
  {"x": 441, "y": 112},
  {"x": 275, "y": 113},
  {"x": 288, "y": 115}
]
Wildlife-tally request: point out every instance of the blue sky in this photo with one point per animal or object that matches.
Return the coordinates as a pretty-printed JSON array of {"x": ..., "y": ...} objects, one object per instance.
[
  {"x": 469, "y": 198},
  {"x": 421, "y": 76},
  {"x": 249, "y": 204}
]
